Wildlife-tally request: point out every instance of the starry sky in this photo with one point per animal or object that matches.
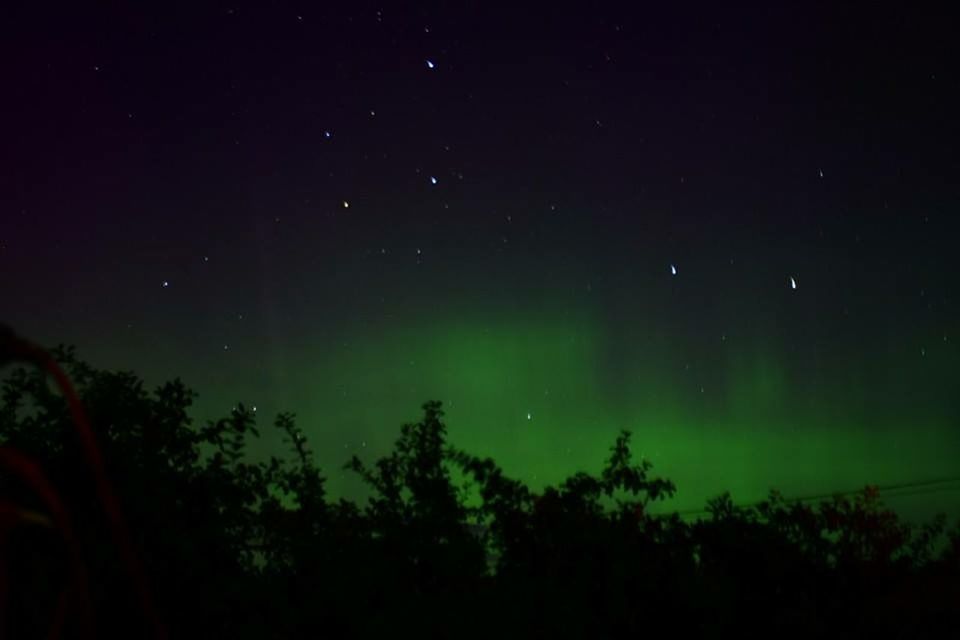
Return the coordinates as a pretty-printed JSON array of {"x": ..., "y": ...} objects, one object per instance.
[{"x": 731, "y": 231}]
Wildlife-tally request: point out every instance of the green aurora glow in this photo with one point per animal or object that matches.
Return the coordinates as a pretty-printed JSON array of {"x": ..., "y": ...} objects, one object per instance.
[{"x": 757, "y": 423}]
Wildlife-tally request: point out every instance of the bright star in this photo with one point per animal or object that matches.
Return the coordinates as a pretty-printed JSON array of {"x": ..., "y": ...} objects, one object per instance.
[
  {"x": 430, "y": 64},
  {"x": 793, "y": 283},
  {"x": 673, "y": 270},
  {"x": 433, "y": 180}
]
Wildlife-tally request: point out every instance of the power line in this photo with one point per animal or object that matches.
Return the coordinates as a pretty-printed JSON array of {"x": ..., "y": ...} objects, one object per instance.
[
  {"x": 925, "y": 491},
  {"x": 924, "y": 487}
]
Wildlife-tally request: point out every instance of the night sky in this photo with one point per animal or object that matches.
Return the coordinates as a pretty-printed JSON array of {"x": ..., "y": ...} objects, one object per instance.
[{"x": 732, "y": 231}]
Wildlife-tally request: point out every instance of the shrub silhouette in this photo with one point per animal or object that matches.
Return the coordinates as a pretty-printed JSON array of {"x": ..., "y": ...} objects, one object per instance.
[{"x": 252, "y": 549}]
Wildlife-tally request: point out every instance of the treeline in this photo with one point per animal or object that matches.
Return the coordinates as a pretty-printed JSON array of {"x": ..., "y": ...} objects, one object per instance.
[{"x": 240, "y": 549}]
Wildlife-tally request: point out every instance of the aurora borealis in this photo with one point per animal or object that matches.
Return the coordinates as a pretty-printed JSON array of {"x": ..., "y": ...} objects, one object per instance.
[{"x": 560, "y": 225}]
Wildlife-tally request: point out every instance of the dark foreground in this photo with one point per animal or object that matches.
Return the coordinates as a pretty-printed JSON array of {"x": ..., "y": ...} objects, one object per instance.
[{"x": 231, "y": 548}]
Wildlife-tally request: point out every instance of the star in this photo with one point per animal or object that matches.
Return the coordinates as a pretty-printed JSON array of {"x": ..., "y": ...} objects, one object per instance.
[
  {"x": 430, "y": 64},
  {"x": 821, "y": 173},
  {"x": 433, "y": 180},
  {"x": 673, "y": 270},
  {"x": 165, "y": 284},
  {"x": 327, "y": 135},
  {"x": 346, "y": 205},
  {"x": 793, "y": 282},
  {"x": 529, "y": 416}
]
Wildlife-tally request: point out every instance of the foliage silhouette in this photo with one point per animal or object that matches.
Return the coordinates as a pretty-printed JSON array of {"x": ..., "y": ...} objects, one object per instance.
[{"x": 251, "y": 549}]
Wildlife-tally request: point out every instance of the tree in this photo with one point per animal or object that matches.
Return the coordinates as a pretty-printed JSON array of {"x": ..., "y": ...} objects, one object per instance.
[{"x": 242, "y": 548}]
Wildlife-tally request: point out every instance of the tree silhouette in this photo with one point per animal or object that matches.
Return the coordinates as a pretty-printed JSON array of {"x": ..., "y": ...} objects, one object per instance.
[
  {"x": 418, "y": 520},
  {"x": 251, "y": 549}
]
